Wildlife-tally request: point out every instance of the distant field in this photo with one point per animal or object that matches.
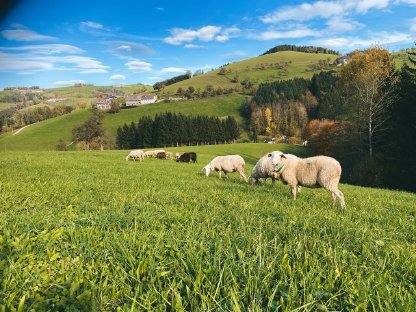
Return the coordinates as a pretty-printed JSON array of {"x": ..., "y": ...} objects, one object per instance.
[
  {"x": 44, "y": 135},
  {"x": 299, "y": 67},
  {"x": 91, "y": 231},
  {"x": 215, "y": 106}
]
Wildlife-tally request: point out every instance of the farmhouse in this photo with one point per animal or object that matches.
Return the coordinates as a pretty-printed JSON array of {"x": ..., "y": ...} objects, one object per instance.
[
  {"x": 103, "y": 104},
  {"x": 135, "y": 100},
  {"x": 148, "y": 98}
]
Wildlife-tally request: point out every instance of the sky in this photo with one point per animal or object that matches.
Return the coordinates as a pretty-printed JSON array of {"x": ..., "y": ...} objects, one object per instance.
[{"x": 58, "y": 43}]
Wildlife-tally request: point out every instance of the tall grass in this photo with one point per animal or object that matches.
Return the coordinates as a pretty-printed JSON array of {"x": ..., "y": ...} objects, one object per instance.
[{"x": 91, "y": 231}]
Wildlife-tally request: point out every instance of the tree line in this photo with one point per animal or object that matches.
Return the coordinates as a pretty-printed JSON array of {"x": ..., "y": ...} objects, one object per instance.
[
  {"x": 162, "y": 84},
  {"x": 306, "y": 49},
  {"x": 170, "y": 129},
  {"x": 362, "y": 115}
]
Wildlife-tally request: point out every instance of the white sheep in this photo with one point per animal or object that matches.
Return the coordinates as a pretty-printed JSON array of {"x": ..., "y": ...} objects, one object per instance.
[
  {"x": 262, "y": 170},
  {"x": 226, "y": 164},
  {"x": 153, "y": 153},
  {"x": 318, "y": 171},
  {"x": 135, "y": 154}
]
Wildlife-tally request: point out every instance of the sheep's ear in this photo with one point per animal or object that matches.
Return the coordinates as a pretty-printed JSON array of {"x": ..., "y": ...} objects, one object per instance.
[
  {"x": 269, "y": 155},
  {"x": 283, "y": 156}
]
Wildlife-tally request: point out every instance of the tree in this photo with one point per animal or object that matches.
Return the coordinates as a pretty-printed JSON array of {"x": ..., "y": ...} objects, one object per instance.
[
  {"x": 268, "y": 119},
  {"x": 116, "y": 104},
  {"x": 88, "y": 131},
  {"x": 369, "y": 76}
]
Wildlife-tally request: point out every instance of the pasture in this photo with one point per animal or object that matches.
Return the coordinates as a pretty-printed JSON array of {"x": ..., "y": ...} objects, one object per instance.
[{"x": 91, "y": 231}]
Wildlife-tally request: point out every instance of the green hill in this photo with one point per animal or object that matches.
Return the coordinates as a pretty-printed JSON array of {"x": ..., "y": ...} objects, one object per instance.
[
  {"x": 46, "y": 134},
  {"x": 265, "y": 68}
]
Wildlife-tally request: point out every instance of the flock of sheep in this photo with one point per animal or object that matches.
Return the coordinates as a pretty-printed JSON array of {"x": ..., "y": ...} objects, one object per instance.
[{"x": 318, "y": 171}]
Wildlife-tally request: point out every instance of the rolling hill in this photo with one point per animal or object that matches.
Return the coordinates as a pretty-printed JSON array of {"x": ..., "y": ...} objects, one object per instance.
[{"x": 265, "y": 68}]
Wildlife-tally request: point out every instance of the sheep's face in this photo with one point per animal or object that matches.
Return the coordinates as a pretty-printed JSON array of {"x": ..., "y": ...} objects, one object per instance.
[
  {"x": 276, "y": 157},
  {"x": 207, "y": 169}
]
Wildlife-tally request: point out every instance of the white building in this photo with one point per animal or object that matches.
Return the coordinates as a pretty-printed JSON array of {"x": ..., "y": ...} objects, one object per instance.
[
  {"x": 133, "y": 100},
  {"x": 149, "y": 98},
  {"x": 104, "y": 104}
]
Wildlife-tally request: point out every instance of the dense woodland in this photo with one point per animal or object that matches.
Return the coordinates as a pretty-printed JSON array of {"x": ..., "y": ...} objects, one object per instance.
[
  {"x": 306, "y": 49},
  {"x": 363, "y": 115},
  {"x": 169, "y": 129}
]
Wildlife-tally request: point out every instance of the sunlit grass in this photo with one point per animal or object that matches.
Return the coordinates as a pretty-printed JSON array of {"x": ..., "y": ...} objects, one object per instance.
[{"x": 91, "y": 231}]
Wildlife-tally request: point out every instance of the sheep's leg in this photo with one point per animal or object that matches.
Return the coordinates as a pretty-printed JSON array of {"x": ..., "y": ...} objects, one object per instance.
[
  {"x": 333, "y": 199},
  {"x": 293, "y": 191},
  {"x": 225, "y": 174},
  {"x": 219, "y": 173},
  {"x": 340, "y": 195},
  {"x": 242, "y": 175},
  {"x": 273, "y": 180},
  {"x": 299, "y": 188}
]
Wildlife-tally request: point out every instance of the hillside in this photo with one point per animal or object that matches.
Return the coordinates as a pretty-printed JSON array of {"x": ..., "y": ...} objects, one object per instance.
[
  {"x": 270, "y": 67},
  {"x": 46, "y": 134},
  {"x": 91, "y": 231}
]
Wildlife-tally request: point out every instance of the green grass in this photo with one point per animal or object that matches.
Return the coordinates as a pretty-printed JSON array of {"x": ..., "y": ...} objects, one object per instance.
[
  {"x": 91, "y": 231},
  {"x": 44, "y": 135},
  {"x": 215, "y": 106},
  {"x": 299, "y": 67}
]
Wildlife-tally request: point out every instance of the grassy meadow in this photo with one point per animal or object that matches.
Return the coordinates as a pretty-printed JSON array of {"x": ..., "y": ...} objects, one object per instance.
[{"x": 91, "y": 231}]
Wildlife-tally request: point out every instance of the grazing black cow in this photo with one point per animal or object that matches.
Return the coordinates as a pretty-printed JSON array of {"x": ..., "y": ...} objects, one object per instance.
[
  {"x": 187, "y": 157},
  {"x": 161, "y": 155}
]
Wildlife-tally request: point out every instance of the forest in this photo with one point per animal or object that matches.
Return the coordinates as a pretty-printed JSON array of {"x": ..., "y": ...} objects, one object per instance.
[
  {"x": 170, "y": 129},
  {"x": 363, "y": 115}
]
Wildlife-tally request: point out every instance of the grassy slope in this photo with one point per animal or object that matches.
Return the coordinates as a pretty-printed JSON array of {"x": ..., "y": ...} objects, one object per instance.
[
  {"x": 299, "y": 67},
  {"x": 218, "y": 106},
  {"x": 92, "y": 231},
  {"x": 44, "y": 135}
]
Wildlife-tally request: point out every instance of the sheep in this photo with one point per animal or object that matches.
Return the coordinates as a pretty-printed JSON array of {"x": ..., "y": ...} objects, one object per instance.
[
  {"x": 263, "y": 169},
  {"x": 135, "y": 154},
  {"x": 318, "y": 171},
  {"x": 153, "y": 153},
  {"x": 177, "y": 155},
  {"x": 169, "y": 155},
  {"x": 226, "y": 164}
]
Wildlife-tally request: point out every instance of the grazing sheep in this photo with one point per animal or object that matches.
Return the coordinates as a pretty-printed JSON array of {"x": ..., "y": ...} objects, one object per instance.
[
  {"x": 187, "y": 157},
  {"x": 169, "y": 155},
  {"x": 161, "y": 155},
  {"x": 262, "y": 170},
  {"x": 318, "y": 171},
  {"x": 153, "y": 153},
  {"x": 135, "y": 154},
  {"x": 227, "y": 164},
  {"x": 177, "y": 155}
]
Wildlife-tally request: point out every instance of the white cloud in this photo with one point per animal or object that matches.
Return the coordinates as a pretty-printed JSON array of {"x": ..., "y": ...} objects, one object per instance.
[
  {"x": 138, "y": 66},
  {"x": 384, "y": 39},
  {"x": 127, "y": 50},
  {"x": 305, "y": 11},
  {"x": 117, "y": 77},
  {"x": 11, "y": 63},
  {"x": 413, "y": 25},
  {"x": 341, "y": 24},
  {"x": 173, "y": 70},
  {"x": 69, "y": 82},
  {"x": 24, "y": 35},
  {"x": 275, "y": 34},
  {"x": 192, "y": 46},
  {"x": 46, "y": 49},
  {"x": 324, "y": 9},
  {"x": 92, "y": 25},
  {"x": 181, "y": 35}
]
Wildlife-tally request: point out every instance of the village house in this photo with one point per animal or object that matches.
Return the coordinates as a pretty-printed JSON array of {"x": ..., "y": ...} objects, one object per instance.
[
  {"x": 104, "y": 104},
  {"x": 133, "y": 100},
  {"x": 148, "y": 98}
]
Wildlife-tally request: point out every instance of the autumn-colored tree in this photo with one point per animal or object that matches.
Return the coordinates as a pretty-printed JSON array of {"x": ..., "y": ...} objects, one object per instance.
[
  {"x": 268, "y": 120},
  {"x": 369, "y": 77}
]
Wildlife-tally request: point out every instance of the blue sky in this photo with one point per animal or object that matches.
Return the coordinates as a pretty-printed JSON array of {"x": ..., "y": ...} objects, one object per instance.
[{"x": 57, "y": 43}]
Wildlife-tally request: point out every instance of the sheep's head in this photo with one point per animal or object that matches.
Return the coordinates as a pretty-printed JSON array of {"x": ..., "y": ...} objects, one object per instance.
[
  {"x": 207, "y": 169},
  {"x": 276, "y": 157}
]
